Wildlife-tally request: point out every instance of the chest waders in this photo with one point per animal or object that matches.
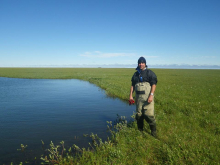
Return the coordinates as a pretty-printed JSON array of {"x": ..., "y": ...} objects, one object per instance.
[{"x": 144, "y": 109}]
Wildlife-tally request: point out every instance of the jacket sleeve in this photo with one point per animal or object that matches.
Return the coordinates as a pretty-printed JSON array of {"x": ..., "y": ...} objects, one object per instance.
[
  {"x": 134, "y": 79},
  {"x": 153, "y": 78}
]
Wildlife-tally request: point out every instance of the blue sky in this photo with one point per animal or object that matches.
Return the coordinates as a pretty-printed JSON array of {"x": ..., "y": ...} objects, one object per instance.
[{"x": 109, "y": 32}]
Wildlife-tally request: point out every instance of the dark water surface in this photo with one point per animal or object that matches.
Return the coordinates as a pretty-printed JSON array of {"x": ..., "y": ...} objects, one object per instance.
[{"x": 32, "y": 110}]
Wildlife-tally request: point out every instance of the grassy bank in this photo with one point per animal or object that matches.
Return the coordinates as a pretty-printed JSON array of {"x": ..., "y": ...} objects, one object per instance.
[{"x": 187, "y": 105}]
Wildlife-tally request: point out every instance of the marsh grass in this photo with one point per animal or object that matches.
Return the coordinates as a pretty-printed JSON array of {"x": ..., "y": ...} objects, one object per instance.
[{"x": 187, "y": 104}]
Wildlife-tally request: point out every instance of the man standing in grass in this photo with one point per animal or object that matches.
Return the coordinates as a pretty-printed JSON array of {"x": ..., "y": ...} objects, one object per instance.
[{"x": 144, "y": 84}]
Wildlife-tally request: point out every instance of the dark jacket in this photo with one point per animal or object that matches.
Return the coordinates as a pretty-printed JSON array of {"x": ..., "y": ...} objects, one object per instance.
[{"x": 147, "y": 76}]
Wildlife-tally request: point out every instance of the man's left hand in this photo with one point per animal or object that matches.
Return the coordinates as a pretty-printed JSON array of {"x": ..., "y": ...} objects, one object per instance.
[{"x": 150, "y": 99}]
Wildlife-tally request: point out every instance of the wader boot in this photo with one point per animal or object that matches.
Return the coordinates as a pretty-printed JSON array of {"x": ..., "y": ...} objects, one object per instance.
[
  {"x": 140, "y": 124},
  {"x": 153, "y": 130}
]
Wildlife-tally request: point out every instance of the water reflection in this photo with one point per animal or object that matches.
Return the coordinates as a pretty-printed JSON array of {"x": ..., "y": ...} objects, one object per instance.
[{"x": 34, "y": 110}]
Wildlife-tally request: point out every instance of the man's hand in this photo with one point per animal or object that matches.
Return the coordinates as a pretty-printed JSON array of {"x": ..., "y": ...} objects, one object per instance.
[
  {"x": 150, "y": 99},
  {"x": 131, "y": 99}
]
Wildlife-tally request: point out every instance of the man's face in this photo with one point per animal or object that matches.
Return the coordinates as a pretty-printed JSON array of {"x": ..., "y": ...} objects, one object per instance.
[{"x": 142, "y": 65}]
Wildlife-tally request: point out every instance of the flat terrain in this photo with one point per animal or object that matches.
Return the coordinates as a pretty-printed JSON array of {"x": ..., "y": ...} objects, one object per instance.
[{"x": 187, "y": 105}]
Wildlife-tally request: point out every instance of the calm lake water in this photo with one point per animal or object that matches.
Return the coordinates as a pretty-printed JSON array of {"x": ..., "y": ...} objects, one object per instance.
[{"x": 32, "y": 110}]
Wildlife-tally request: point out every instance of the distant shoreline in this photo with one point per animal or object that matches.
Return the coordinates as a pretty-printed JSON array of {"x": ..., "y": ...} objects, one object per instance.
[{"x": 123, "y": 67}]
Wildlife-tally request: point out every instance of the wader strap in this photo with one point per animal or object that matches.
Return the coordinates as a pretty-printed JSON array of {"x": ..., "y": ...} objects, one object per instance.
[{"x": 140, "y": 92}]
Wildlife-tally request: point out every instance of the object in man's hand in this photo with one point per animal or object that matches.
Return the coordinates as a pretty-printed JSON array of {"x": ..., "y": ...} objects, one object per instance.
[{"x": 131, "y": 101}]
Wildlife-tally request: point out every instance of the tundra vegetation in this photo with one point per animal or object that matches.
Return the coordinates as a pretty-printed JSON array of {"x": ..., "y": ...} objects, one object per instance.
[{"x": 187, "y": 106}]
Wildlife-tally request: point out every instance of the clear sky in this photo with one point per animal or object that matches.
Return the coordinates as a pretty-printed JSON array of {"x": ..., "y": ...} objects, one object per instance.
[{"x": 98, "y": 32}]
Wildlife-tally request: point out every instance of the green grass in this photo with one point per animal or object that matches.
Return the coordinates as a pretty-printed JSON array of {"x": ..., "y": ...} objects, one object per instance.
[{"x": 187, "y": 105}]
